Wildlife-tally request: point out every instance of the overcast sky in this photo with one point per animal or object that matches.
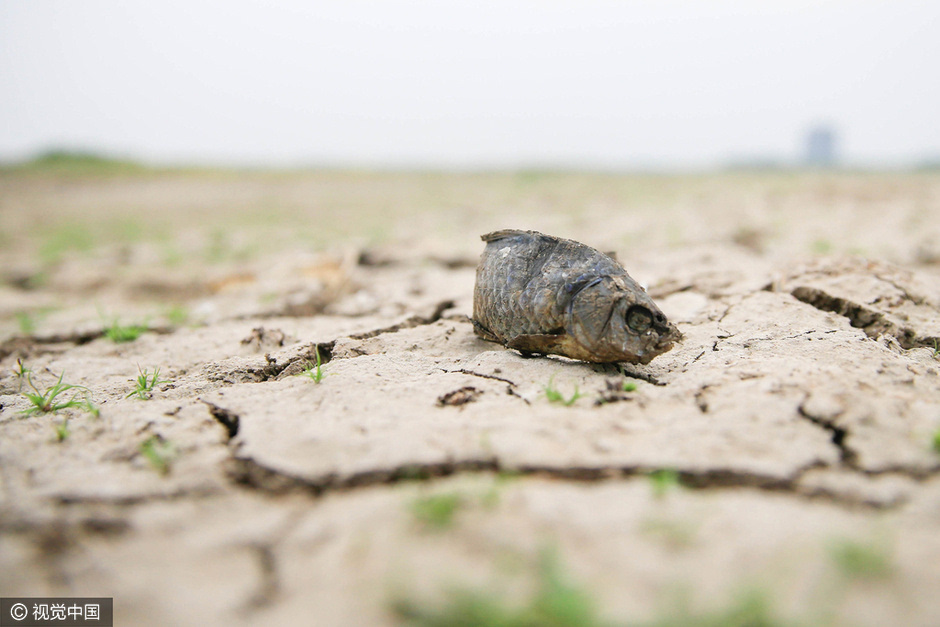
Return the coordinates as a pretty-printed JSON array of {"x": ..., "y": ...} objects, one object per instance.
[{"x": 470, "y": 84}]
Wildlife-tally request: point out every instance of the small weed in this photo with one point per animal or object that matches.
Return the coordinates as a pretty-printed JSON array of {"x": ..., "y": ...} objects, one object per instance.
[
  {"x": 119, "y": 333},
  {"x": 172, "y": 256},
  {"x": 90, "y": 407},
  {"x": 438, "y": 510},
  {"x": 859, "y": 560},
  {"x": 62, "y": 431},
  {"x": 48, "y": 401},
  {"x": 58, "y": 241},
  {"x": 751, "y": 609},
  {"x": 629, "y": 386},
  {"x": 936, "y": 441},
  {"x": 145, "y": 383},
  {"x": 159, "y": 452},
  {"x": 177, "y": 315},
  {"x": 26, "y": 322},
  {"x": 554, "y": 396},
  {"x": 821, "y": 246},
  {"x": 663, "y": 481},
  {"x": 554, "y": 603},
  {"x": 315, "y": 372},
  {"x": 21, "y": 373}
]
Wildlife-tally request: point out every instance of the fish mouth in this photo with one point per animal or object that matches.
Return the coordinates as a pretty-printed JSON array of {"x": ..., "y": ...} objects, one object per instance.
[
  {"x": 647, "y": 357},
  {"x": 664, "y": 345}
]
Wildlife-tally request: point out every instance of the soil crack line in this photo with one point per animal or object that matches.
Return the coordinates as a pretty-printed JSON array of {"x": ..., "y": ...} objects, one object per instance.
[
  {"x": 848, "y": 457},
  {"x": 409, "y": 323},
  {"x": 641, "y": 376},
  {"x": 917, "y": 300},
  {"x": 226, "y": 417},
  {"x": 510, "y": 385},
  {"x": 248, "y": 473},
  {"x": 26, "y": 344},
  {"x": 872, "y": 322}
]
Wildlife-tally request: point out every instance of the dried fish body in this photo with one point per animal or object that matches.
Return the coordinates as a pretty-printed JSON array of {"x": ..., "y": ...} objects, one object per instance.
[{"x": 542, "y": 294}]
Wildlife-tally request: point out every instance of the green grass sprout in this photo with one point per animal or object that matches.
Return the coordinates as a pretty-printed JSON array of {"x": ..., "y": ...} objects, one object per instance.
[
  {"x": 821, "y": 246},
  {"x": 629, "y": 386},
  {"x": 315, "y": 372},
  {"x": 159, "y": 452},
  {"x": 26, "y": 322},
  {"x": 118, "y": 333},
  {"x": 177, "y": 315},
  {"x": 145, "y": 383},
  {"x": 90, "y": 407},
  {"x": 21, "y": 372},
  {"x": 860, "y": 560},
  {"x": 554, "y": 396},
  {"x": 554, "y": 603},
  {"x": 57, "y": 242},
  {"x": 62, "y": 431},
  {"x": 936, "y": 441},
  {"x": 664, "y": 480},
  {"x": 751, "y": 608},
  {"x": 437, "y": 511},
  {"x": 51, "y": 400}
]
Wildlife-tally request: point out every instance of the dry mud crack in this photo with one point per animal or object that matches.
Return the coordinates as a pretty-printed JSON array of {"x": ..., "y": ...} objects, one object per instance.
[{"x": 798, "y": 411}]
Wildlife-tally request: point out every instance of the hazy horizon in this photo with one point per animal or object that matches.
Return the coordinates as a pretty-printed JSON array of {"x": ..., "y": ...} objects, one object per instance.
[{"x": 404, "y": 84}]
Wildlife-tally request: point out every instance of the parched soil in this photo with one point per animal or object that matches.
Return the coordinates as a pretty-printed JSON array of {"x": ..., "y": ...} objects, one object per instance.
[{"x": 327, "y": 442}]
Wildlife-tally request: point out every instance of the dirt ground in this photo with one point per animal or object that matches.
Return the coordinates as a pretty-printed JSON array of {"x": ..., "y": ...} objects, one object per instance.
[{"x": 779, "y": 466}]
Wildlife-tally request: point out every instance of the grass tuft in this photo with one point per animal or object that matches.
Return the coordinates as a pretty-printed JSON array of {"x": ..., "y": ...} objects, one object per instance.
[
  {"x": 62, "y": 431},
  {"x": 751, "y": 609},
  {"x": 160, "y": 453},
  {"x": 58, "y": 241},
  {"x": 663, "y": 481},
  {"x": 177, "y": 315},
  {"x": 554, "y": 603},
  {"x": 555, "y": 396},
  {"x": 119, "y": 333},
  {"x": 21, "y": 372},
  {"x": 936, "y": 441},
  {"x": 145, "y": 383},
  {"x": 315, "y": 372},
  {"x": 860, "y": 560},
  {"x": 437, "y": 511},
  {"x": 52, "y": 400},
  {"x": 821, "y": 246},
  {"x": 26, "y": 322}
]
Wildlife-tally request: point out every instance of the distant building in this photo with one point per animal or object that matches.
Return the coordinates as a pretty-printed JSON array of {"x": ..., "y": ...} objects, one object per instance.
[{"x": 821, "y": 147}]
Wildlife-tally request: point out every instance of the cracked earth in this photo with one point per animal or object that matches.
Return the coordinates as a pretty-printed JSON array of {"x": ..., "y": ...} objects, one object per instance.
[{"x": 797, "y": 416}]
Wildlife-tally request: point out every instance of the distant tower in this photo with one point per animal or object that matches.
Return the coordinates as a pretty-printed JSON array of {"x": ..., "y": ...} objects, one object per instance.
[{"x": 821, "y": 146}]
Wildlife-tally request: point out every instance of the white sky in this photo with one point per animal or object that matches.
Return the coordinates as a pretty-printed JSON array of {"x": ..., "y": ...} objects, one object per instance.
[{"x": 470, "y": 84}]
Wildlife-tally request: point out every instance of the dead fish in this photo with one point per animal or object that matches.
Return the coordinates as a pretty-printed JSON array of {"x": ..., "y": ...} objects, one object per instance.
[{"x": 542, "y": 294}]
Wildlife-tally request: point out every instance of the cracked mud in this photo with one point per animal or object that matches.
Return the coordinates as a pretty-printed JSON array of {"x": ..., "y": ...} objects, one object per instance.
[{"x": 316, "y": 396}]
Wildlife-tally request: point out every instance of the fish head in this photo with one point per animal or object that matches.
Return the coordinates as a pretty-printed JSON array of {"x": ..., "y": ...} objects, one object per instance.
[{"x": 614, "y": 319}]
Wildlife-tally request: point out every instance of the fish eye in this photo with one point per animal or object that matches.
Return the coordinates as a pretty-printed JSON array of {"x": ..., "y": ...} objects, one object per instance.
[{"x": 639, "y": 319}]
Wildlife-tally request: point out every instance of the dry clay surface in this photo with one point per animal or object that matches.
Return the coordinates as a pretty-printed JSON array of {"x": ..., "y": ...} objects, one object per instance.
[{"x": 794, "y": 422}]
